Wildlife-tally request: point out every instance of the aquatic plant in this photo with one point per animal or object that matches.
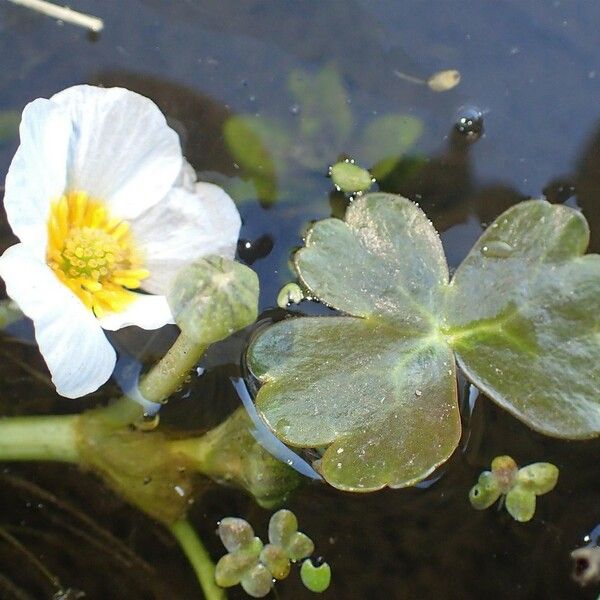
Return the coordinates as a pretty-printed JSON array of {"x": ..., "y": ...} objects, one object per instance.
[
  {"x": 375, "y": 386},
  {"x": 255, "y": 566},
  {"x": 267, "y": 148},
  {"x": 317, "y": 577},
  {"x": 101, "y": 217},
  {"x": 349, "y": 177},
  {"x": 372, "y": 390},
  {"x": 517, "y": 487}
]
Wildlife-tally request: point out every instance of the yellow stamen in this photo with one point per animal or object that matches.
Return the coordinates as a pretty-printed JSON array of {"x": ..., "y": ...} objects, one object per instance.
[{"x": 93, "y": 253}]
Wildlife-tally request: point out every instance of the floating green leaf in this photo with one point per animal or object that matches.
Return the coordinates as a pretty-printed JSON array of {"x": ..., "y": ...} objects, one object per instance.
[
  {"x": 520, "y": 503},
  {"x": 290, "y": 293},
  {"x": 255, "y": 567},
  {"x": 350, "y": 177},
  {"x": 377, "y": 387},
  {"x": 485, "y": 492},
  {"x": 283, "y": 532},
  {"x": 386, "y": 140},
  {"x": 213, "y": 298},
  {"x": 524, "y": 309},
  {"x": 520, "y": 486},
  {"x": 540, "y": 478},
  {"x": 374, "y": 386},
  {"x": 276, "y": 560},
  {"x": 242, "y": 564},
  {"x": 316, "y": 579}
]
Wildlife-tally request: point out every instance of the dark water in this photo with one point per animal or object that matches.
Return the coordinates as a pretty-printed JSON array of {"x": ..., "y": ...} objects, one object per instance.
[{"x": 531, "y": 68}]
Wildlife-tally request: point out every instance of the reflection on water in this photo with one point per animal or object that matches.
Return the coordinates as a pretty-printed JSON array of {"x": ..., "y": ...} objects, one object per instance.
[{"x": 532, "y": 70}]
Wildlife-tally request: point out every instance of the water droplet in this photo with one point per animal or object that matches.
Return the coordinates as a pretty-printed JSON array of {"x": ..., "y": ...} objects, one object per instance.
[
  {"x": 180, "y": 491},
  {"x": 469, "y": 122},
  {"x": 283, "y": 426},
  {"x": 148, "y": 422},
  {"x": 497, "y": 249},
  {"x": 250, "y": 251},
  {"x": 418, "y": 393}
]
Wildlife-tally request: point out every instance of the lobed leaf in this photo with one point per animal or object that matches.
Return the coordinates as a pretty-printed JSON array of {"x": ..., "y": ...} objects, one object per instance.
[
  {"x": 524, "y": 310},
  {"x": 376, "y": 388},
  {"x": 371, "y": 389}
]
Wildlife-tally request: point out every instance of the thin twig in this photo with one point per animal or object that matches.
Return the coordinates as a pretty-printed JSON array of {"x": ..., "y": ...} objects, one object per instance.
[
  {"x": 28, "y": 369},
  {"x": 63, "y": 13},
  {"x": 103, "y": 538},
  {"x": 32, "y": 558}
]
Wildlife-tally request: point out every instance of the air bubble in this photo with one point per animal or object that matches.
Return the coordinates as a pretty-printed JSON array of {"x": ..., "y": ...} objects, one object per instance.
[
  {"x": 469, "y": 122},
  {"x": 148, "y": 422},
  {"x": 497, "y": 249}
]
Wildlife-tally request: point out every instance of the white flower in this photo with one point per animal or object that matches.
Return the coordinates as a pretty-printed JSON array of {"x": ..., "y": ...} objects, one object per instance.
[{"x": 104, "y": 203}]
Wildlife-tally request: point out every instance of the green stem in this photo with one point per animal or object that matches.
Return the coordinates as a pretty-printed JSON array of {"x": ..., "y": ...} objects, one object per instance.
[
  {"x": 199, "y": 558},
  {"x": 40, "y": 438},
  {"x": 164, "y": 378},
  {"x": 170, "y": 372}
]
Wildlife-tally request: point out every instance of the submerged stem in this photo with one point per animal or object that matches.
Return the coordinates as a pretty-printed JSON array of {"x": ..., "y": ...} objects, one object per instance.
[
  {"x": 199, "y": 558},
  {"x": 40, "y": 438}
]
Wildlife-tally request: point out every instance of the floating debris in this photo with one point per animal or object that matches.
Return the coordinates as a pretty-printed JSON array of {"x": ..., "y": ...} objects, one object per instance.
[
  {"x": 63, "y": 13},
  {"x": 441, "y": 81},
  {"x": 586, "y": 568}
]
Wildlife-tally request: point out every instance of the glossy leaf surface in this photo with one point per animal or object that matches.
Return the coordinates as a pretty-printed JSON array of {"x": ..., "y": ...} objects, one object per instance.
[
  {"x": 525, "y": 314},
  {"x": 376, "y": 386},
  {"x": 368, "y": 386}
]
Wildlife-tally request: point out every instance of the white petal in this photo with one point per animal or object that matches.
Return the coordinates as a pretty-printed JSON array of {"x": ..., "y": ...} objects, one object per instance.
[
  {"x": 182, "y": 228},
  {"x": 187, "y": 177},
  {"x": 147, "y": 312},
  {"x": 37, "y": 174},
  {"x": 123, "y": 152},
  {"x": 79, "y": 356}
]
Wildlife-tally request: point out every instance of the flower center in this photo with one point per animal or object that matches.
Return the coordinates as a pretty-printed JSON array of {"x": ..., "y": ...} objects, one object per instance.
[{"x": 92, "y": 253}]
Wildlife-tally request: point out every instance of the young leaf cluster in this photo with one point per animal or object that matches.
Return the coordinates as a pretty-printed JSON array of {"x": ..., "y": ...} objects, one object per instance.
[
  {"x": 256, "y": 566},
  {"x": 519, "y": 487}
]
